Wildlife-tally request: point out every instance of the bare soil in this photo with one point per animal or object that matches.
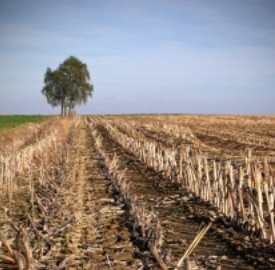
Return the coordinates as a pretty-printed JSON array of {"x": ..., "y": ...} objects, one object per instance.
[
  {"x": 83, "y": 223},
  {"x": 182, "y": 214}
]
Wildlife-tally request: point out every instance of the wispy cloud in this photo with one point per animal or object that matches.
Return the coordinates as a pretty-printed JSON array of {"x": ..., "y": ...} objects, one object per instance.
[{"x": 144, "y": 55}]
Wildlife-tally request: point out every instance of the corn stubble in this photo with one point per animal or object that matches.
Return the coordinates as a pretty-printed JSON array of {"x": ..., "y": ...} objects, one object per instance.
[{"x": 225, "y": 161}]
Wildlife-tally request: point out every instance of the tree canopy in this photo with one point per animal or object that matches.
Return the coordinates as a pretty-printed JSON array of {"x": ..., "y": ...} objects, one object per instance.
[{"x": 68, "y": 85}]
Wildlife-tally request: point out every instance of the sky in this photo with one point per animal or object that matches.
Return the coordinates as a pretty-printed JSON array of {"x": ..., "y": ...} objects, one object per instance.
[{"x": 144, "y": 56}]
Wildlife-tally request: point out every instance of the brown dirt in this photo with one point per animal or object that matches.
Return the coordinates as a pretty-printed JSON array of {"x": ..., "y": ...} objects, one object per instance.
[
  {"x": 83, "y": 226},
  {"x": 97, "y": 238},
  {"x": 182, "y": 214},
  {"x": 87, "y": 227}
]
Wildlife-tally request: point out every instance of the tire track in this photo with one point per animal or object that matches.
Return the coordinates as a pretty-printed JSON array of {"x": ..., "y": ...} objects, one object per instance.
[{"x": 98, "y": 239}]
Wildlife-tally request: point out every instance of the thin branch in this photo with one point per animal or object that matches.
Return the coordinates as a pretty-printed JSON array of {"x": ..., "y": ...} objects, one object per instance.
[
  {"x": 7, "y": 259},
  {"x": 194, "y": 244},
  {"x": 5, "y": 243}
]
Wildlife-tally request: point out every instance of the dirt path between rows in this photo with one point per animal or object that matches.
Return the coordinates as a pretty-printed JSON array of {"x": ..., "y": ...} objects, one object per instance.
[
  {"x": 97, "y": 239},
  {"x": 181, "y": 216}
]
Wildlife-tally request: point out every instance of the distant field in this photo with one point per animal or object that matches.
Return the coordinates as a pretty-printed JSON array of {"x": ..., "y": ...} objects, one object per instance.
[{"x": 10, "y": 121}]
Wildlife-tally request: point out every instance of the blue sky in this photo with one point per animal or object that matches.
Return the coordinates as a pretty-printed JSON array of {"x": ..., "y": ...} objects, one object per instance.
[{"x": 153, "y": 56}]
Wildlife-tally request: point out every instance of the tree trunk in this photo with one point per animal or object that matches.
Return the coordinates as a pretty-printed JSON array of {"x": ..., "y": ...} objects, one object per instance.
[{"x": 62, "y": 107}]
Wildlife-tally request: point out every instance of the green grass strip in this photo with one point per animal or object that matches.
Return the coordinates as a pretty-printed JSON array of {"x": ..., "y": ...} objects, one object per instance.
[{"x": 11, "y": 121}]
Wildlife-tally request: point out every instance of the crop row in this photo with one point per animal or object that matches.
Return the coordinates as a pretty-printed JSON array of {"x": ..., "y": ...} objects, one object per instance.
[
  {"x": 244, "y": 194},
  {"x": 31, "y": 182},
  {"x": 144, "y": 222}
]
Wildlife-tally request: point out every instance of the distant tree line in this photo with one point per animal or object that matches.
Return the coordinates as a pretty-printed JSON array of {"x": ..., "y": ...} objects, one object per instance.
[{"x": 68, "y": 85}]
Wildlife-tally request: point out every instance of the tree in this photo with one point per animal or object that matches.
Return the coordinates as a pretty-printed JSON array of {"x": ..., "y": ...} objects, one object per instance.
[{"x": 68, "y": 85}]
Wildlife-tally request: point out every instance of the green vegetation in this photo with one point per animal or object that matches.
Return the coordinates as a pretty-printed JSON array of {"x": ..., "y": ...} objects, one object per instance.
[
  {"x": 10, "y": 121},
  {"x": 68, "y": 86}
]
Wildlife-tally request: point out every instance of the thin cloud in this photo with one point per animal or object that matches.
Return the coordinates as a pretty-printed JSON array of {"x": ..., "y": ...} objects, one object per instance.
[{"x": 144, "y": 56}]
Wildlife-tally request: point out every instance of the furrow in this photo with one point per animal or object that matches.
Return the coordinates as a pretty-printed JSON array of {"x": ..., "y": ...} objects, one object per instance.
[
  {"x": 98, "y": 240},
  {"x": 179, "y": 217}
]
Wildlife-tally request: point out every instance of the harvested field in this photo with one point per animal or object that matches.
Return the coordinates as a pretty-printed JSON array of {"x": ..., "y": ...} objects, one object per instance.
[{"x": 133, "y": 192}]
